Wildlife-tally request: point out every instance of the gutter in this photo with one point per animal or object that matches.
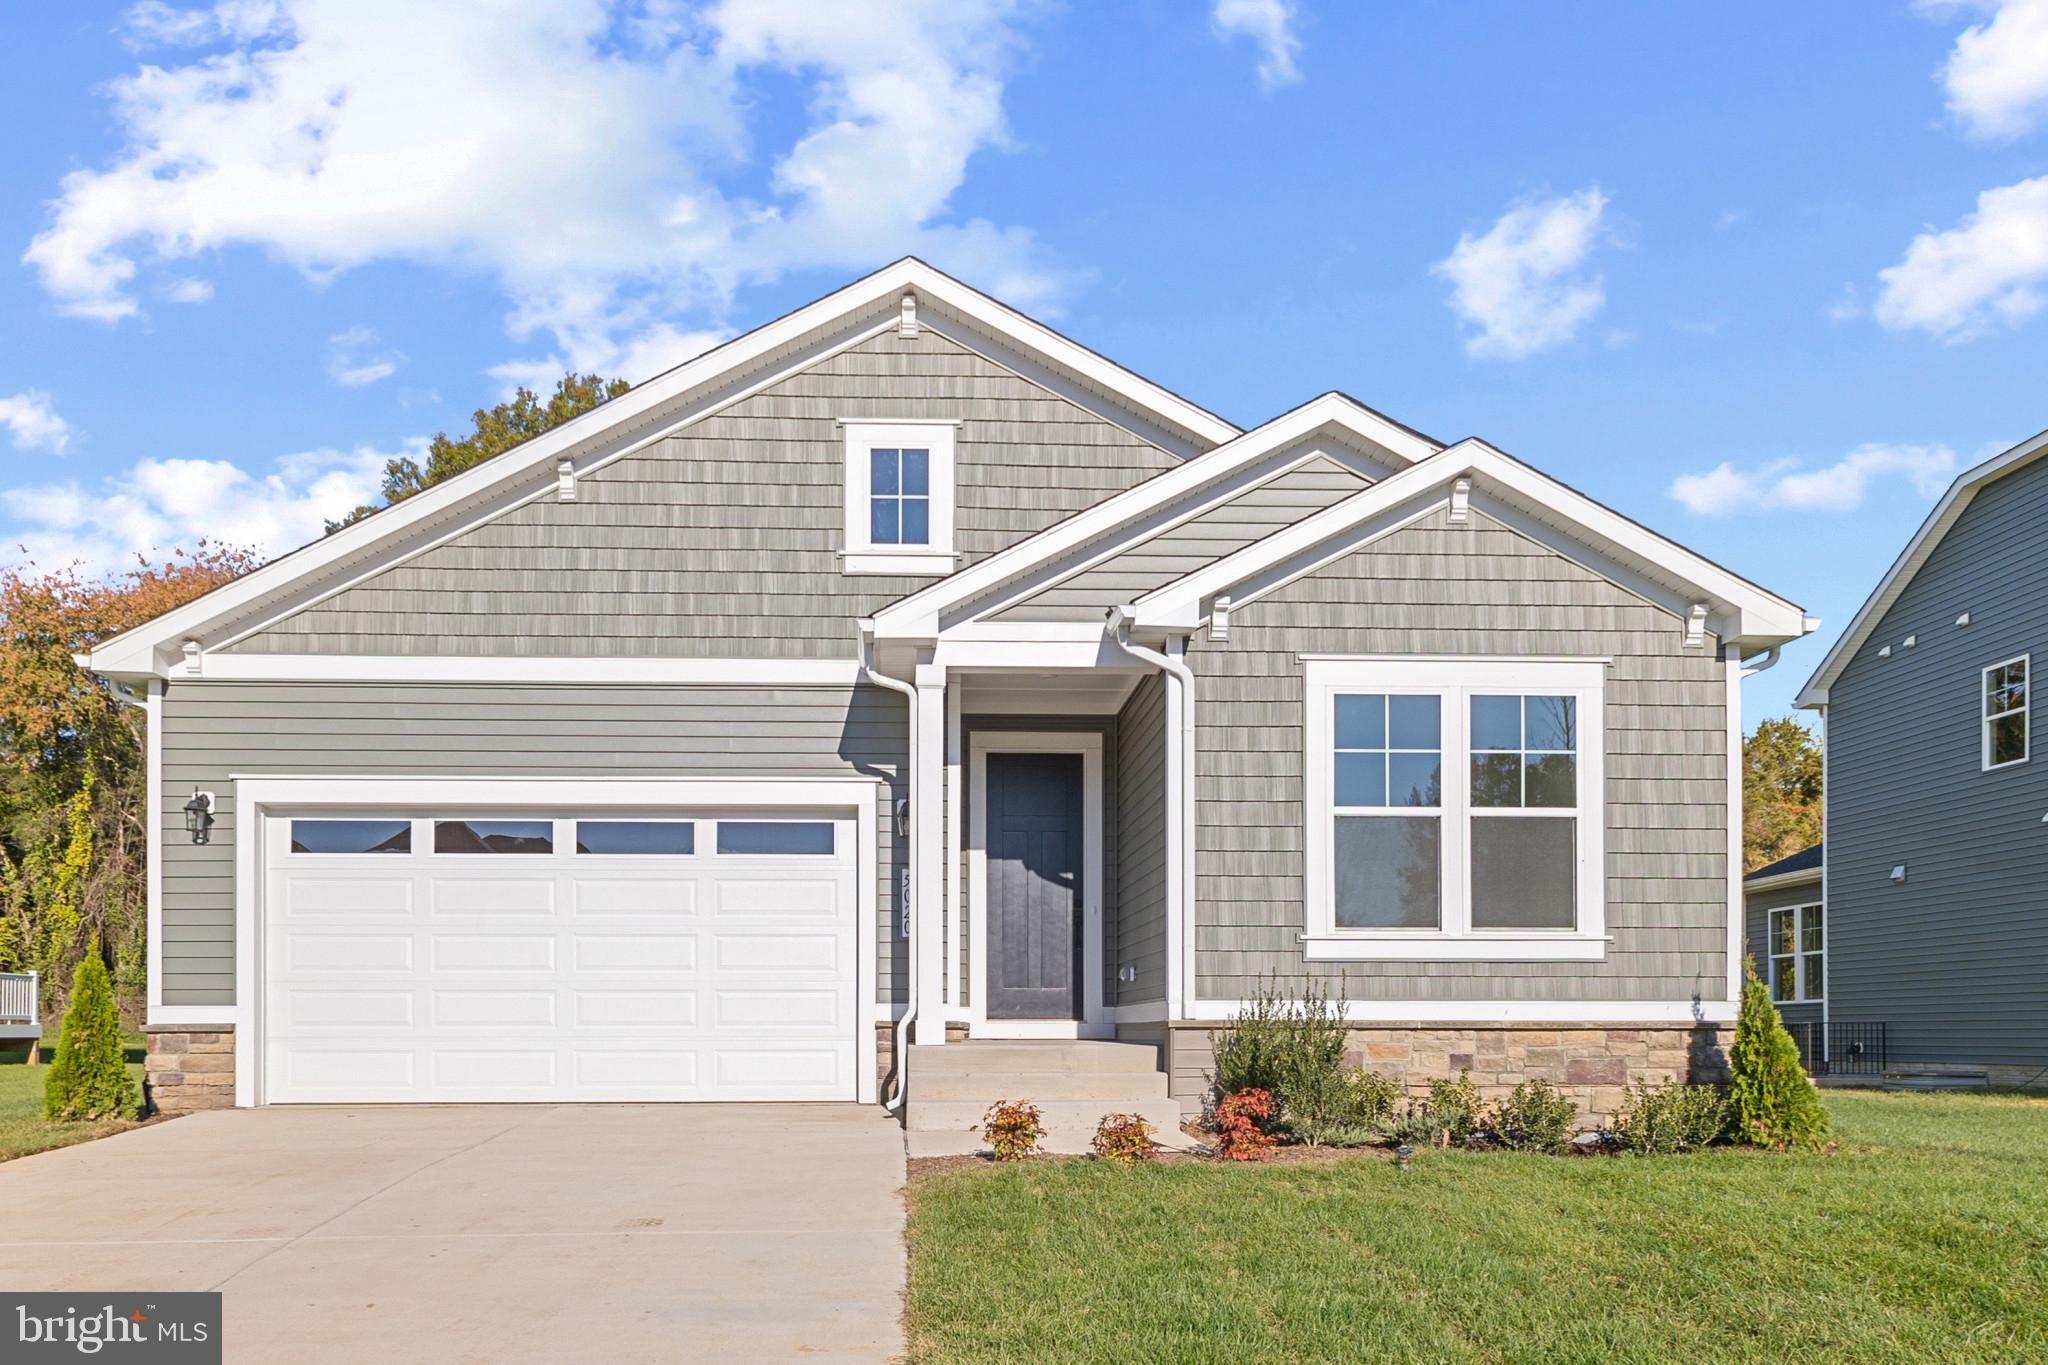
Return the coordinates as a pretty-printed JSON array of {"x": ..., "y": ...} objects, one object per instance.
[
  {"x": 900, "y": 1036},
  {"x": 1180, "y": 834}
]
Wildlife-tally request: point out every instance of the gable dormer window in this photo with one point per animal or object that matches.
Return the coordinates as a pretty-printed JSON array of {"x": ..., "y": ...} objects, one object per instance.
[{"x": 899, "y": 497}]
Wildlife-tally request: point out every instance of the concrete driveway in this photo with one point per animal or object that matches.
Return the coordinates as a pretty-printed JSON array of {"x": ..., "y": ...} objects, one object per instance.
[{"x": 475, "y": 1233}]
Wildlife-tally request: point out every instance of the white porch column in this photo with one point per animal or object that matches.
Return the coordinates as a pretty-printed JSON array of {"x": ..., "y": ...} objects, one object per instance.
[{"x": 927, "y": 853}]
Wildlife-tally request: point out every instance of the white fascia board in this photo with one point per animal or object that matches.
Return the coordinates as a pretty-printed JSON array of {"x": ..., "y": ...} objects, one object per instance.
[
  {"x": 253, "y": 790},
  {"x": 584, "y": 671},
  {"x": 1783, "y": 879},
  {"x": 137, "y": 652},
  {"x": 1946, "y": 513},
  {"x": 917, "y": 616},
  {"x": 1745, "y": 610},
  {"x": 1563, "y": 1013}
]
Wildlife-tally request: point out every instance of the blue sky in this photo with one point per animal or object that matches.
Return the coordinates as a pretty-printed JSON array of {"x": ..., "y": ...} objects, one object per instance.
[{"x": 1763, "y": 277}]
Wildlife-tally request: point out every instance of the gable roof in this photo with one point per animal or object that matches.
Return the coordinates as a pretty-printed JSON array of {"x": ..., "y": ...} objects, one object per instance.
[
  {"x": 1946, "y": 513},
  {"x": 648, "y": 411},
  {"x": 1115, "y": 523},
  {"x": 1804, "y": 866}
]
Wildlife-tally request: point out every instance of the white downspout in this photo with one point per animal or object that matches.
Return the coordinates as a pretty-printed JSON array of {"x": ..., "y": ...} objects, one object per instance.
[
  {"x": 1180, "y": 834},
  {"x": 900, "y": 1035}
]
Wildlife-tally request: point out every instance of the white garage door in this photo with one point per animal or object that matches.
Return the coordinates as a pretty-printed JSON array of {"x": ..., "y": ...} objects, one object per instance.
[{"x": 415, "y": 957}]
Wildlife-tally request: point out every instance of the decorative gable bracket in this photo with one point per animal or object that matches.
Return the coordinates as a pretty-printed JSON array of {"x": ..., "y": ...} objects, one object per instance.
[
  {"x": 1461, "y": 502},
  {"x": 565, "y": 481},
  {"x": 1696, "y": 626}
]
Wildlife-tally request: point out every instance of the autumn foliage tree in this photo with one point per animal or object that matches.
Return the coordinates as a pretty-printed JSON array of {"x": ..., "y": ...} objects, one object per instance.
[
  {"x": 72, "y": 785},
  {"x": 1781, "y": 792},
  {"x": 496, "y": 430}
]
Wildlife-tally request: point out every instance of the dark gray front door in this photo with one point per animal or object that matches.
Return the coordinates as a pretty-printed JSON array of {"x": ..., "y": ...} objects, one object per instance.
[{"x": 1034, "y": 886}]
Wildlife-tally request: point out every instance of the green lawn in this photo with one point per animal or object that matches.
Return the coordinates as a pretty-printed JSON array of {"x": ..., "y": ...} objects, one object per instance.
[
  {"x": 22, "y": 1128},
  {"x": 1924, "y": 1237}
]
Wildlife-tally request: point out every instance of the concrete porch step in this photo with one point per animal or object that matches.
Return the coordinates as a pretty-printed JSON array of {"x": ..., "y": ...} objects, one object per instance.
[
  {"x": 978, "y": 1056},
  {"x": 1107, "y": 1087}
]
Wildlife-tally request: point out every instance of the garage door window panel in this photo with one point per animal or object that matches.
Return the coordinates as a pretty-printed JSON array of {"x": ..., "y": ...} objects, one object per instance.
[
  {"x": 639, "y": 838},
  {"x": 494, "y": 836},
  {"x": 775, "y": 838},
  {"x": 351, "y": 836}
]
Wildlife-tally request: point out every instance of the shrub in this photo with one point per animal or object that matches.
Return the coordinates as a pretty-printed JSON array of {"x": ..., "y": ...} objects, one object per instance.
[
  {"x": 1012, "y": 1129},
  {"x": 1771, "y": 1103},
  {"x": 1412, "y": 1125},
  {"x": 1293, "y": 1049},
  {"x": 1455, "y": 1108},
  {"x": 1241, "y": 1121},
  {"x": 89, "y": 1078},
  {"x": 1124, "y": 1139},
  {"x": 1535, "y": 1118},
  {"x": 1669, "y": 1118}
]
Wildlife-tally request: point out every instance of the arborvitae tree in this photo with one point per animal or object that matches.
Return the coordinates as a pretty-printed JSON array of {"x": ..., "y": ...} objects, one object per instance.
[
  {"x": 1771, "y": 1102},
  {"x": 89, "y": 1079}
]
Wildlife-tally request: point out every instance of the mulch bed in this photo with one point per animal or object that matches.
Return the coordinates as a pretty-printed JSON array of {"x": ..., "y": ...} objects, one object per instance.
[{"x": 926, "y": 1167}]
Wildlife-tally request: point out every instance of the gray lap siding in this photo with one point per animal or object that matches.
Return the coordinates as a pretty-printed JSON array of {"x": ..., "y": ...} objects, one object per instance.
[
  {"x": 214, "y": 729},
  {"x": 1438, "y": 589}
]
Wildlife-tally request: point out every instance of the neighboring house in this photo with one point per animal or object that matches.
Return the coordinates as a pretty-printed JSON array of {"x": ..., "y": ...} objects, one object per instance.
[
  {"x": 904, "y": 659},
  {"x": 1937, "y": 793},
  {"x": 1787, "y": 938}
]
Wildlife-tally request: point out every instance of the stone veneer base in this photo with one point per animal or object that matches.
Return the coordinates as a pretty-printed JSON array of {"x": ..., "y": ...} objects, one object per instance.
[{"x": 187, "y": 1068}]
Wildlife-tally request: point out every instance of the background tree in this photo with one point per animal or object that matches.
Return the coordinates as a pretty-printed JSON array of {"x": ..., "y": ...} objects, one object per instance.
[
  {"x": 72, "y": 785},
  {"x": 494, "y": 431},
  {"x": 1781, "y": 792}
]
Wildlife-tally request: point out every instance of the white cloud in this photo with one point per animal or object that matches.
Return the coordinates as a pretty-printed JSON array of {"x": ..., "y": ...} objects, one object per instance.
[
  {"x": 1270, "y": 25},
  {"x": 188, "y": 290},
  {"x": 591, "y": 157},
  {"x": 355, "y": 358},
  {"x": 1520, "y": 283},
  {"x": 1997, "y": 73},
  {"x": 1989, "y": 270},
  {"x": 156, "y": 506},
  {"x": 1782, "y": 485},
  {"x": 634, "y": 359},
  {"x": 33, "y": 424}
]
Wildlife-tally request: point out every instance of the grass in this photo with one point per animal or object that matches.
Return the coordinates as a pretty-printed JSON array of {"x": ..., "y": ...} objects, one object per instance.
[
  {"x": 23, "y": 1130},
  {"x": 1925, "y": 1236}
]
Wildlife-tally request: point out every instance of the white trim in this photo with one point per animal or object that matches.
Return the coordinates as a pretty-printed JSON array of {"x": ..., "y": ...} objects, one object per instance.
[
  {"x": 2025, "y": 711},
  {"x": 870, "y": 303},
  {"x": 255, "y": 795},
  {"x": 1183, "y": 799},
  {"x": 566, "y": 669},
  {"x": 860, "y": 554},
  {"x": 956, "y": 797},
  {"x": 927, "y": 849},
  {"x": 1783, "y": 879},
  {"x": 1094, "y": 1021},
  {"x": 1564, "y": 1013},
  {"x": 1455, "y": 682},
  {"x": 1937, "y": 525},
  {"x": 916, "y": 615},
  {"x": 1799, "y": 952},
  {"x": 1733, "y": 766}
]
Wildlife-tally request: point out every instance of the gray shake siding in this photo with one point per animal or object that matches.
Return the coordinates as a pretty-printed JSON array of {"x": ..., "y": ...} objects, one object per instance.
[
  {"x": 1955, "y": 960},
  {"x": 1434, "y": 589},
  {"x": 214, "y": 729},
  {"x": 1757, "y": 906},
  {"x": 1140, "y": 813},
  {"x": 723, "y": 540},
  {"x": 1200, "y": 541}
]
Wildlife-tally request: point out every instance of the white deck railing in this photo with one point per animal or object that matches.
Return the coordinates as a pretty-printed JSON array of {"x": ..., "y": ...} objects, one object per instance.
[{"x": 17, "y": 997}]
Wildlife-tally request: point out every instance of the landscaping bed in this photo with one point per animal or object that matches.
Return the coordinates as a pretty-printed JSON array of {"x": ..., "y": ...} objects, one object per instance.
[
  {"x": 1923, "y": 1234},
  {"x": 23, "y": 1129}
]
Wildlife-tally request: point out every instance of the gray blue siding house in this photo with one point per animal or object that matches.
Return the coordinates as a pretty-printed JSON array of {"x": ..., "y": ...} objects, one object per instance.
[
  {"x": 1786, "y": 934},
  {"x": 1937, "y": 802},
  {"x": 901, "y": 695}
]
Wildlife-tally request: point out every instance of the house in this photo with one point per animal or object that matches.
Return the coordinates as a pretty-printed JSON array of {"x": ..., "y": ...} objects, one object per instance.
[
  {"x": 1937, "y": 806},
  {"x": 1786, "y": 936},
  {"x": 904, "y": 666}
]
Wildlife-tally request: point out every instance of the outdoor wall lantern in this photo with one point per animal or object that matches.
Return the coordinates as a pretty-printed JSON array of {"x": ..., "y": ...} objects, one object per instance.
[{"x": 199, "y": 816}]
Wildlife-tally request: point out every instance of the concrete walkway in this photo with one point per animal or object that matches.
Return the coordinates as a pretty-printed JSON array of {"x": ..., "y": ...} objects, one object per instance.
[{"x": 489, "y": 1234}]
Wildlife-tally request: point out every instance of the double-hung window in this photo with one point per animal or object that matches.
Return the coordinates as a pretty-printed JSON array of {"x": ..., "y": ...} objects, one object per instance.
[
  {"x": 1797, "y": 945},
  {"x": 899, "y": 497},
  {"x": 2005, "y": 713},
  {"x": 1455, "y": 809}
]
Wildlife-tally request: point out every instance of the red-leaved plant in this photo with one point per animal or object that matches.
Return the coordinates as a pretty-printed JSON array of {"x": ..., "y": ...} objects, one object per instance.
[
  {"x": 1240, "y": 1126},
  {"x": 1012, "y": 1129},
  {"x": 1124, "y": 1139}
]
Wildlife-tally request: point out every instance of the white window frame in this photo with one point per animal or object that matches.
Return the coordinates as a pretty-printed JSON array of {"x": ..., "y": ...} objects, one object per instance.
[
  {"x": 1985, "y": 715},
  {"x": 1456, "y": 680},
  {"x": 861, "y": 554},
  {"x": 1798, "y": 955}
]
